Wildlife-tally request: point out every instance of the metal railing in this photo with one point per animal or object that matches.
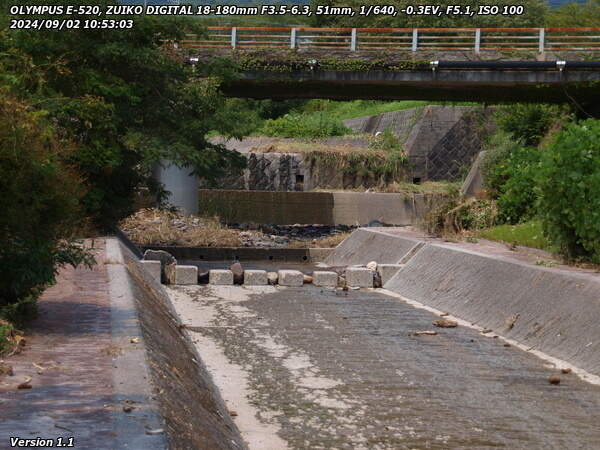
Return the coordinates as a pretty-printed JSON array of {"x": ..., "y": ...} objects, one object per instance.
[{"x": 399, "y": 39}]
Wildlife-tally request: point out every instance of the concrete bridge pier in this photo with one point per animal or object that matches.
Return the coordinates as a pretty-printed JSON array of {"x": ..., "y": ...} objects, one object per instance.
[{"x": 181, "y": 184}]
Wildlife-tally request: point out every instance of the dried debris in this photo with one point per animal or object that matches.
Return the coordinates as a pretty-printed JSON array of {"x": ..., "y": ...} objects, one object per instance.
[
  {"x": 25, "y": 384},
  {"x": 426, "y": 333},
  {"x": 6, "y": 369},
  {"x": 445, "y": 323},
  {"x": 554, "y": 380}
]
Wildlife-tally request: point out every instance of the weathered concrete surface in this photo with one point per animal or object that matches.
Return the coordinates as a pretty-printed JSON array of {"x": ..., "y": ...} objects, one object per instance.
[
  {"x": 312, "y": 368},
  {"x": 359, "y": 208},
  {"x": 290, "y": 278},
  {"x": 326, "y": 208},
  {"x": 552, "y": 310},
  {"x": 153, "y": 268},
  {"x": 254, "y": 277},
  {"x": 439, "y": 140},
  {"x": 325, "y": 279},
  {"x": 79, "y": 357},
  {"x": 220, "y": 277},
  {"x": 387, "y": 271},
  {"x": 195, "y": 416},
  {"x": 359, "y": 277},
  {"x": 370, "y": 244},
  {"x": 186, "y": 274},
  {"x": 474, "y": 181}
]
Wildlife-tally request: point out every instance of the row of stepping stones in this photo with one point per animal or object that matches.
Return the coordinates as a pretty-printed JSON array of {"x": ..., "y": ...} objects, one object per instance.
[{"x": 163, "y": 268}]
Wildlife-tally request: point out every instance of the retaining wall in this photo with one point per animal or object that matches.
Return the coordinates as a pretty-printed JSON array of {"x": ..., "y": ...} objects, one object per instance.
[
  {"x": 558, "y": 310},
  {"x": 195, "y": 415},
  {"x": 326, "y": 208},
  {"x": 295, "y": 255}
]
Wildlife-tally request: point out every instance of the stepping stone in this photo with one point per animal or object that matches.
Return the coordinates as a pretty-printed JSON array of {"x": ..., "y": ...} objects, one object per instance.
[
  {"x": 359, "y": 277},
  {"x": 154, "y": 268},
  {"x": 220, "y": 277},
  {"x": 325, "y": 279},
  {"x": 186, "y": 275},
  {"x": 291, "y": 278},
  {"x": 255, "y": 277}
]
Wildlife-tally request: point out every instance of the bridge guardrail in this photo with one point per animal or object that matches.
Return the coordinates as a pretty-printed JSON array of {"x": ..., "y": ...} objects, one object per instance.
[{"x": 400, "y": 39}]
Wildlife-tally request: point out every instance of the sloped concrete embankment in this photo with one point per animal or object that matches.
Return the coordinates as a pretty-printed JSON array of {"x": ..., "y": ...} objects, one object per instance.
[
  {"x": 195, "y": 414},
  {"x": 365, "y": 245},
  {"x": 550, "y": 310}
]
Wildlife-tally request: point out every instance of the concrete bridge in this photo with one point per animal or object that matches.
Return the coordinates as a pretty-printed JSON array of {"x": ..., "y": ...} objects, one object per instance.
[{"x": 455, "y": 64}]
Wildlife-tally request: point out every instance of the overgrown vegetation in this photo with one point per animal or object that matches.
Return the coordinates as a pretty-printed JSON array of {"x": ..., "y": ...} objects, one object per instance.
[
  {"x": 513, "y": 157},
  {"x": 85, "y": 115},
  {"x": 382, "y": 164},
  {"x": 126, "y": 100},
  {"x": 568, "y": 185},
  {"x": 527, "y": 234},
  {"x": 542, "y": 170},
  {"x": 41, "y": 211},
  {"x": 317, "y": 125}
]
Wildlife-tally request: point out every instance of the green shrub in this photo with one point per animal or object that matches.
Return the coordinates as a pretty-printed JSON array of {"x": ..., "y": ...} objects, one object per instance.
[
  {"x": 529, "y": 122},
  {"x": 316, "y": 125},
  {"x": 517, "y": 201},
  {"x": 569, "y": 190},
  {"x": 509, "y": 171}
]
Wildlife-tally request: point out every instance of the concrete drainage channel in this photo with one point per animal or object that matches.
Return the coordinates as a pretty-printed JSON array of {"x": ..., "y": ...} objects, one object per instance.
[{"x": 306, "y": 357}]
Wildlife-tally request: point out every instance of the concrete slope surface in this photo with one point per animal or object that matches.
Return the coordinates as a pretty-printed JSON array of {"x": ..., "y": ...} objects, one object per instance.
[
  {"x": 547, "y": 309},
  {"x": 365, "y": 245},
  {"x": 309, "y": 368}
]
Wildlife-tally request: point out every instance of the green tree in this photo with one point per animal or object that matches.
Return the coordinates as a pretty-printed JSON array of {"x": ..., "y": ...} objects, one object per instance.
[
  {"x": 568, "y": 182},
  {"x": 575, "y": 14},
  {"x": 533, "y": 16},
  {"x": 128, "y": 99},
  {"x": 40, "y": 201}
]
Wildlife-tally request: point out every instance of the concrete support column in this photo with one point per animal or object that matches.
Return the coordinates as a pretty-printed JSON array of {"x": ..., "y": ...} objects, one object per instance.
[
  {"x": 183, "y": 186},
  {"x": 415, "y": 39},
  {"x": 293, "y": 37},
  {"x": 477, "y": 40},
  {"x": 542, "y": 40},
  {"x": 234, "y": 37},
  {"x": 353, "y": 40}
]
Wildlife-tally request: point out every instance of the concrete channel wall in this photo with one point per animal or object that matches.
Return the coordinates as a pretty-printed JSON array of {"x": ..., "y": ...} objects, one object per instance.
[
  {"x": 555, "y": 311},
  {"x": 551, "y": 310},
  {"x": 326, "y": 208},
  {"x": 364, "y": 246},
  {"x": 195, "y": 415}
]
